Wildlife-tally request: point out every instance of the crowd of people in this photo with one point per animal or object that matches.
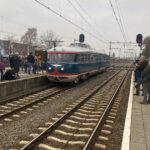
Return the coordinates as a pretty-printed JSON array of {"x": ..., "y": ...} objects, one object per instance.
[
  {"x": 30, "y": 64},
  {"x": 142, "y": 77}
]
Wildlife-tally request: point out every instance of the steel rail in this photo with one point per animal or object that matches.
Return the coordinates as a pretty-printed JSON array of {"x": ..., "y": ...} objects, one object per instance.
[
  {"x": 34, "y": 142},
  {"x": 33, "y": 103},
  {"x": 91, "y": 138},
  {"x": 120, "y": 68}
]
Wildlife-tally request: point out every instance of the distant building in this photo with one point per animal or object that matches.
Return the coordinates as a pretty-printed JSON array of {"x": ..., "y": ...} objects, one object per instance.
[{"x": 9, "y": 47}]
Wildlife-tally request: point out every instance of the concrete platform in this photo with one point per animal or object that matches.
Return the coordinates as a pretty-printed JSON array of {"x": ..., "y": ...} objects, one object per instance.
[
  {"x": 137, "y": 126},
  {"x": 24, "y": 85},
  {"x": 25, "y": 75}
]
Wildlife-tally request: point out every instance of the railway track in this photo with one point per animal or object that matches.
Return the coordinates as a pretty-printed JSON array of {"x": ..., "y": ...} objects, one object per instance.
[
  {"x": 73, "y": 129},
  {"x": 100, "y": 135},
  {"x": 122, "y": 67},
  {"x": 12, "y": 107}
]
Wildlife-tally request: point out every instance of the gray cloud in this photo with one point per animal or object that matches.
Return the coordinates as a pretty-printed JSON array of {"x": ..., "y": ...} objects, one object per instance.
[{"x": 17, "y": 15}]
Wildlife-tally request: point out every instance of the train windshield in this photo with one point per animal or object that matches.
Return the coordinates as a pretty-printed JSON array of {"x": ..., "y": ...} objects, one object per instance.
[{"x": 61, "y": 57}]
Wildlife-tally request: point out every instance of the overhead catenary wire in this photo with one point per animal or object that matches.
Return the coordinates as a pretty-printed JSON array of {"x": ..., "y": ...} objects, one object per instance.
[
  {"x": 78, "y": 12},
  {"x": 90, "y": 18},
  {"x": 120, "y": 17},
  {"x": 114, "y": 12},
  {"x": 117, "y": 20},
  {"x": 71, "y": 22}
]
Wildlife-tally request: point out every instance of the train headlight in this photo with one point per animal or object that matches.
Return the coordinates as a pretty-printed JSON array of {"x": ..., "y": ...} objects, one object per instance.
[
  {"x": 50, "y": 68},
  {"x": 62, "y": 69}
]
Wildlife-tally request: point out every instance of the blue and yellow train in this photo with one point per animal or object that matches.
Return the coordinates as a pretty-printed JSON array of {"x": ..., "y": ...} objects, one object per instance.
[{"x": 75, "y": 62}]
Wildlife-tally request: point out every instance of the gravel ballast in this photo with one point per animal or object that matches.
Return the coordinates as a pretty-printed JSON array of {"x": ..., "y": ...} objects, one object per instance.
[{"x": 11, "y": 133}]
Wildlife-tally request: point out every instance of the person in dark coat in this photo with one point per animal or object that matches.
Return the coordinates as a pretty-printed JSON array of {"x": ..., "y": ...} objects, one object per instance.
[
  {"x": 142, "y": 64},
  {"x": 140, "y": 67},
  {"x": 11, "y": 61},
  {"x": 9, "y": 75},
  {"x": 31, "y": 61},
  {"x": 136, "y": 72},
  {"x": 16, "y": 63},
  {"x": 146, "y": 84},
  {"x": 2, "y": 68}
]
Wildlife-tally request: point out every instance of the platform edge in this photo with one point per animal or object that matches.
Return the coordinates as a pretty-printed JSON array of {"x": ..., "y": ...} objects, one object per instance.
[{"x": 126, "y": 134}]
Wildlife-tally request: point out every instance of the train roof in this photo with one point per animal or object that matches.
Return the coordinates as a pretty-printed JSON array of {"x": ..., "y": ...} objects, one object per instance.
[{"x": 74, "y": 48}]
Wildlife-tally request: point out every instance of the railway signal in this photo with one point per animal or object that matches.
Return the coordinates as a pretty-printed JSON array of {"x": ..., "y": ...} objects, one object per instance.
[
  {"x": 81, "y": 38},
  {"x": 139, "y": 40}
]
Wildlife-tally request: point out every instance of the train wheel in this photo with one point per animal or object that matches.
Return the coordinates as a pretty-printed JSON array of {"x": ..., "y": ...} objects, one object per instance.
[{"x": 76, "y": 81}]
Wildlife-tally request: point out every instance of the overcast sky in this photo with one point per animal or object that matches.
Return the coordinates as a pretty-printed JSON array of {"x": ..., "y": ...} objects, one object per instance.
[{"x": 18, "y": 15}]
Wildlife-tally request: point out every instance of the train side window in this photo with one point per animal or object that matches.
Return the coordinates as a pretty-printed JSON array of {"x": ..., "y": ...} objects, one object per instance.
[
  {"x": 92, "y": 58},
  {"x": 76, "y": 58},
  {"x": 88, "y": 57},
  {"x": 82, "y": 57},
  {"x": 99, "y": 58},
  {"x": 85, "y": 58},
  {"x": 96, "y": 58}
]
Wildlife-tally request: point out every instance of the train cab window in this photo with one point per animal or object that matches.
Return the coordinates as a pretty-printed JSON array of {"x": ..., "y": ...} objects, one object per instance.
[
  {"x": 60, "y": 57},
  {"x": 68, "y": 57}
]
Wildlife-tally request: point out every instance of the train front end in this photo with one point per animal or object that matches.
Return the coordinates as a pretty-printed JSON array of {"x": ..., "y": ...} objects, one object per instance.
[{"x": 61, "y": 66}]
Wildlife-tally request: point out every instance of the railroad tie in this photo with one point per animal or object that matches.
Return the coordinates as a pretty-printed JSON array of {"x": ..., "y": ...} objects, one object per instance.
[
  {"x": 100, "y": 146},
  {"x": 47, "y": 147}
]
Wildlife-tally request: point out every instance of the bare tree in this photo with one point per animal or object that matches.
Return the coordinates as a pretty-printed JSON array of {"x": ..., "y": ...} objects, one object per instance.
[
  {"x": 30, "y": 38},
  {"x": 146, "y": 50},
  {"x": 48, "y": 36}
]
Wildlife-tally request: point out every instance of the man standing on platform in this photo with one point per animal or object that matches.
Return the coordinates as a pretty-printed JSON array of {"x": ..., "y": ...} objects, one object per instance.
[
  {"x": 146, "y": 84},
  {"x": 16, "y": 63},
  {"x": 31, "y": 61},
  {"x": 11, "y": 61},
  {"x": 140, "y": 67}
]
